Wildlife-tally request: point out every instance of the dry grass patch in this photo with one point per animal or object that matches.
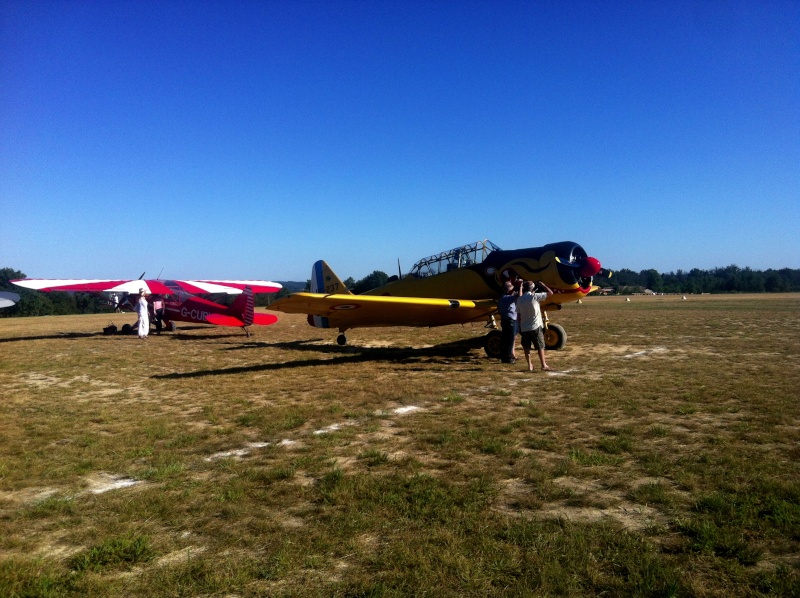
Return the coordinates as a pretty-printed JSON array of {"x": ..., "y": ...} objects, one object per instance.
[{"x": 659, "y": 459}]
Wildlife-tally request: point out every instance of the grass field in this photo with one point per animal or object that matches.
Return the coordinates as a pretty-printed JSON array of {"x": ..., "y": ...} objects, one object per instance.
[{"x": 660, "y": 459}]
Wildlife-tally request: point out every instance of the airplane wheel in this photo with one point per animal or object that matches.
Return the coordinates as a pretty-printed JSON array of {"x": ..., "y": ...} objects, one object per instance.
[
  {"x": 555, "y": 337},
  {"x": 172, "y": 327},
  {"x": 127, "y": 329},
  {"x": 493, "y": 344},
  {"x": 341, "y": 339}
]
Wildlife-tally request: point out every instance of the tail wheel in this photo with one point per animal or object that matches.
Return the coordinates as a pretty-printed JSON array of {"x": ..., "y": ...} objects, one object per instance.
[
  {"x": 493, "y": 344},
  {"x": 555, "y": 337},
  {"x": 341, "y": 339}
]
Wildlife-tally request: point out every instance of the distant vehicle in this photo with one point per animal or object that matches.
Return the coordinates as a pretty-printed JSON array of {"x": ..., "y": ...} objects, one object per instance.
[
  {"x": 454, "y": 287},
  {"x": 181, "y": 303}
]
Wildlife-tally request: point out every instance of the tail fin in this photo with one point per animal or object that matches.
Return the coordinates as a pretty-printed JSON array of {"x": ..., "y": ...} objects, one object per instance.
[
  {"x": 325, "y": 281},
  {"x": 241, "y": 313},
  {"x": 244, "y": 307}
]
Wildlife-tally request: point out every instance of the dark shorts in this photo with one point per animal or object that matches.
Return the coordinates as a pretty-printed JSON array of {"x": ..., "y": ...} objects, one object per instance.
[{"x": 535, "y": 337}]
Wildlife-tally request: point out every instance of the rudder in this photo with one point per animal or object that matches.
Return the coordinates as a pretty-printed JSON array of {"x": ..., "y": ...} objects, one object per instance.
[
  {"x": 244, "y": 307},
  {"x": 325, "y": 281}
]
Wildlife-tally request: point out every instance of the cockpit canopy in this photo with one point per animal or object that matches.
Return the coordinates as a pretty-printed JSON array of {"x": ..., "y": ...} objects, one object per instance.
[{"x": 460, "y": 257}]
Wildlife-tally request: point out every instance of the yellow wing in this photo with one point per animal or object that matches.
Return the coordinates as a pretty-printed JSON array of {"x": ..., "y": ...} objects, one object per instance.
[{"x": 361, "y": 311}]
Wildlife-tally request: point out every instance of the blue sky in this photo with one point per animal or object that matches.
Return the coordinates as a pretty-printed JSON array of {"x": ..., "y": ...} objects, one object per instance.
[{"x": 248, "y": 139}]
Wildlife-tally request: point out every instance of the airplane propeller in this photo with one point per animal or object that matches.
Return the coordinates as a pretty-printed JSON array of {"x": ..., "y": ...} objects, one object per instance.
[{"x": 587, "y": 267}]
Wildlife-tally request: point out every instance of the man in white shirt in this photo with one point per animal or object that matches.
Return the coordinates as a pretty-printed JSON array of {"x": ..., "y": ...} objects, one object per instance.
[{"x": 529, "y": 320}]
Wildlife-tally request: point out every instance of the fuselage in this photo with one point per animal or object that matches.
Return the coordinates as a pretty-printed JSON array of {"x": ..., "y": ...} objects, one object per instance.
[
  {"x": 191, "y": 309},
  {"x": 485, "y": 280}
]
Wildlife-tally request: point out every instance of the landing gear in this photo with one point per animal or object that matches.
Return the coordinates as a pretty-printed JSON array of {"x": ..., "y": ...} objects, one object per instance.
[
  {"x": 493, "y": 344},
  {"x": 555, "y": 337},
  {"x": 341, "y": 339}
]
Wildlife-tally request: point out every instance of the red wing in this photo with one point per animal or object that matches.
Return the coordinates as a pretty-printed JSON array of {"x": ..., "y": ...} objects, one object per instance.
[
  {"x": 47, "y": 284},
  {"x": 258, "y": 286}
]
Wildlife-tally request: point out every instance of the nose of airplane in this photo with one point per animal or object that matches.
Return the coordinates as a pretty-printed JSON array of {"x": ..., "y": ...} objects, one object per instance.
[{"x": 589, "y": 267}]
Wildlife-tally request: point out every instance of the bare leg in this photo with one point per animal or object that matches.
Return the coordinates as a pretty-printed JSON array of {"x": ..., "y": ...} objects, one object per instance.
[
  {"x": 545, "y": 367},
  {"x": 528, "y": 359}
]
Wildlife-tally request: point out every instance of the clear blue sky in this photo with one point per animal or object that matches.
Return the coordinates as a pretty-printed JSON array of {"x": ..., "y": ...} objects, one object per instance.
[{"x": 248, "y": 139}]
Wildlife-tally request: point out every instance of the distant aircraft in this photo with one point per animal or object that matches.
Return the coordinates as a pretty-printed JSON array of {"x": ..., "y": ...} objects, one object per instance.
[
  {"x": 457, "y": 286},
  {"x": 8, "y": 299},
  {"x": 181, "y": 303}
]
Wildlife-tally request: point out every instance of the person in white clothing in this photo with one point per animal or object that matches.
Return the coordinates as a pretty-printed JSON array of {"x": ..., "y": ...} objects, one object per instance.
[
  {"x": 529, "y": 320},
  {"x": 144, "y": 319}
]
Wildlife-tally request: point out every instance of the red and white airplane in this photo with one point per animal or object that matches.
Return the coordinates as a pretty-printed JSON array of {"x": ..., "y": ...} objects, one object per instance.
[{"x": 181, "y": 303}]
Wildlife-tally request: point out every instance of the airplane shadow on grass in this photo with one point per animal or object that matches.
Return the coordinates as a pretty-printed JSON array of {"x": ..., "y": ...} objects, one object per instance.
[
  {"x": 346, "y": 354},
  {"x": 46, "y": 337},
  {"x": 177, "y": 335}
]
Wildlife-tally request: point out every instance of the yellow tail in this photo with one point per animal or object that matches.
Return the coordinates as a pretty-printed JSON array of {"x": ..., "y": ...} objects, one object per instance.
[{"x": 325, "y": 281}]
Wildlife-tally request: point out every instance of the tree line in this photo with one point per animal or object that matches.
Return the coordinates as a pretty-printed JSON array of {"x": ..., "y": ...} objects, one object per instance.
[{"x": 730, "y": 279}]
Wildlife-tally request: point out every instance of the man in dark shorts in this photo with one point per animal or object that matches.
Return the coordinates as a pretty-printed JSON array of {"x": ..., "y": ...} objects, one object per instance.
[
  {"x": 529, "y": 320},
  {"x": 507, "y": 307}
]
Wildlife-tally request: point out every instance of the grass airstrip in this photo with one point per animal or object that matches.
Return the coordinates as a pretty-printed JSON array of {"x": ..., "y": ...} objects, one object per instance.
[{"x": 660, "y": 459}]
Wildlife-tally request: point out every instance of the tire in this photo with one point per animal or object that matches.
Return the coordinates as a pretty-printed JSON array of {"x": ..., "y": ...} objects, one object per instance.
[
  {"x": 555, "y": 337},
  {"x": 127, "y": 329},
  {"x": 341, "y": 339},
  {"x": 493, "y": 344}
]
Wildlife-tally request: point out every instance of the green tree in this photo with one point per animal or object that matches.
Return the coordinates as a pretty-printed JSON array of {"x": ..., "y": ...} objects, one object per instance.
[
  {"x": 372, "y": 281},
  {"x": 652, "y": 280},
  {"x": 7, "y": 274}
]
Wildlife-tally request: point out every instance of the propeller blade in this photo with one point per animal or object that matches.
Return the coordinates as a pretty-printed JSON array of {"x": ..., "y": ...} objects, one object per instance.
[
  {"x": 563, "y": 263},
  {"x": 586, "y": 267}
]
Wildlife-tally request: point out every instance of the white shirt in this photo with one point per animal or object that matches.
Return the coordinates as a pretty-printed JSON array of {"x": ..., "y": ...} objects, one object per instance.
[
  {"x": 529, "y": 316},
  {"x": 141, "y": 307}
]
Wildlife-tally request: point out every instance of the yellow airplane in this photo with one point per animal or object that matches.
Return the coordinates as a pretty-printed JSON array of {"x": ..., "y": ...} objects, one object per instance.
[{"x": 472, "y": 274}]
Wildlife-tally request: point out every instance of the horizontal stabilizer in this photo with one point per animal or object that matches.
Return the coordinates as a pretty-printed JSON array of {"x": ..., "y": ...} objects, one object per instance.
[
  {"x": 223, "y": 320},
  {"x": 264, "y": 319}
]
